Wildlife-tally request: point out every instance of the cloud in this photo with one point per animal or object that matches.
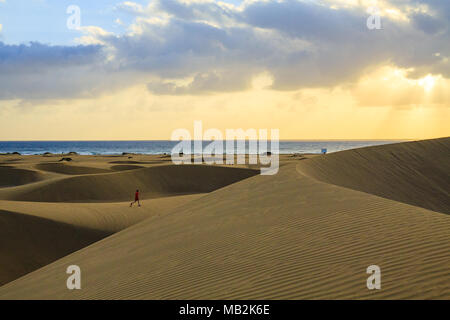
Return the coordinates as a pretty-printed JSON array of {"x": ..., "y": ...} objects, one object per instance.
[
  {"x": 399, "y": 91},
  {"x": 301, "y": 44},
  {"x": 43, "y": 71},
  {"x": 202, "y": 83},
  {"x": 92, "y": 35},
  {"x": 37, "y": 57},
  {"x": 130, "y": 7},
  {"x": 197, "y": 47}
]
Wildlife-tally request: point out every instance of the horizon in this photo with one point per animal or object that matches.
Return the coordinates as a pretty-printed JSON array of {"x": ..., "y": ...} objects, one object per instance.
[
  {"x": 281, "y": 140},
  {"x": 187, "y": 146}
]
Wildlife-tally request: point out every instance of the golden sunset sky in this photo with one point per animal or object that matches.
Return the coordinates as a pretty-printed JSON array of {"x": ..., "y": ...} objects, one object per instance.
[{"x": 139, "y": 70}]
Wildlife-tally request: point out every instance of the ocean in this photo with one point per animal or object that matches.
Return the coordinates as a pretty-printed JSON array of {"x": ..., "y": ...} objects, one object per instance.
[{"x": 164, "y": 146}]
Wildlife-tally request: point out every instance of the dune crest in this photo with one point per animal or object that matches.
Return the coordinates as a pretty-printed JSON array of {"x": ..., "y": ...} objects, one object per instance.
[
  {"x": 11, "y": 176},
  {"x": 125, "y": 167},
  {"x": 33, "y": 234},
  {"x": 69, "y": 169},
  {"x": 153, "y": 182},
  {"x": 28, "y": 242},
  {"x": 417, "y": 173}
]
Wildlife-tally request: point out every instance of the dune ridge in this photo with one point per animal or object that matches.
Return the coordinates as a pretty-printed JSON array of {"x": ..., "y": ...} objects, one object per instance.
[
  {"x": 11, "y": 176},
  {"x": 29, "y": 242},
  {"x": 153, "y": 182},
  {"x": 34, "y": 234},
  {"x": 417, "y": 173},
  {"x": 109, "y": 217},
  {"x": 88, "y": 221},
  {"x": 137, "y": 162},
  {"x": 69, "y": 169},
  {"x": 124, "y": 167}
]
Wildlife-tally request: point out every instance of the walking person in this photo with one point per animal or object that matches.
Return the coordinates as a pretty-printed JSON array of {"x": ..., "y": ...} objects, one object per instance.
[{"x": 136, "y": 199}]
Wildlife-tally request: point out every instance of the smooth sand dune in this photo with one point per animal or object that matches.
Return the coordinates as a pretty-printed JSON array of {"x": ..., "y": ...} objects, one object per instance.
[
  {"x": 90, "y": 221},
  {"x": 109, "y": 217},
  {"x": 8, "y": 161},
  {"x": 137, "y": 162},
  {"x": 68, "y": 169},
  {"x": 36, "y": 234},
  {"x": 416, "y": 173},
  {"x": 153, "y": 182},
  {"x": 125, "y": 167},
  {"x": 29, "y": 242},
  {"x": 10, "y": 176},
  {"x": 268, "y": 237}
]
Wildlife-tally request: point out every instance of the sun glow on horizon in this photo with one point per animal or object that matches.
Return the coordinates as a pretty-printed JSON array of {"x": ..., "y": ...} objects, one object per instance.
[{"x": 427, "y": 82}]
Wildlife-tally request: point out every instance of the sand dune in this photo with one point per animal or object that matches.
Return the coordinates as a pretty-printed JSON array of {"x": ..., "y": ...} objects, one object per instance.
[
  {"x": 109, "y": 217},
  {"x": 416, "y": 173},
  {"x": 153, "y": 182},
  {"x": 9, "y": 160},
  {"x": 85, "y": 223},
  {"x": 68, "y": 169},
  {"x": 267, "y": 237},
  {"x": 137, "y": 162},
  {"x": 15, "y": 177},
  {"x": 29, "y": 242},
  {"x": 125, "y": 167},
  {"x": 36, "y": 234},
  {"x": 288, "y": 236}
]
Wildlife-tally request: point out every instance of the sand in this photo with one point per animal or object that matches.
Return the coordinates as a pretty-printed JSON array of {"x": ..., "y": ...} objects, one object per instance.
[
  {"x": 416, "y": 173},
  {"x": 100, "y": 195},
  {"x": 308, "y": 232}
]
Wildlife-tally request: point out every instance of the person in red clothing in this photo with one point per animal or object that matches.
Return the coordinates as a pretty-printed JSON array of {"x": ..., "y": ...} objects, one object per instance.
[{"x": 136, "y": 199}]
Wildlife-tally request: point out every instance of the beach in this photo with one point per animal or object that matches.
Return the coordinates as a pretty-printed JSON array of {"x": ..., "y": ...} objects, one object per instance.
[{"x": 226, "y": 231}]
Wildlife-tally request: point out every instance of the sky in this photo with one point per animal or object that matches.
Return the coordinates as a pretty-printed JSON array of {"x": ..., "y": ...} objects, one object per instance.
[{"x": 134, "y": 70}]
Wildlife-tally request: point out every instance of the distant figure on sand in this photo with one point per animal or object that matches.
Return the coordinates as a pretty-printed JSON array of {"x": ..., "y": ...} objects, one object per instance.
[{"x": 136, "y": 199}]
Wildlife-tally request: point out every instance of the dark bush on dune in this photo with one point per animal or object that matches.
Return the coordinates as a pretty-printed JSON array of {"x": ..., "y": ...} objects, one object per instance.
[
  {"x": 10, "y": 153},
  {"x": 65, "y": 159}
]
